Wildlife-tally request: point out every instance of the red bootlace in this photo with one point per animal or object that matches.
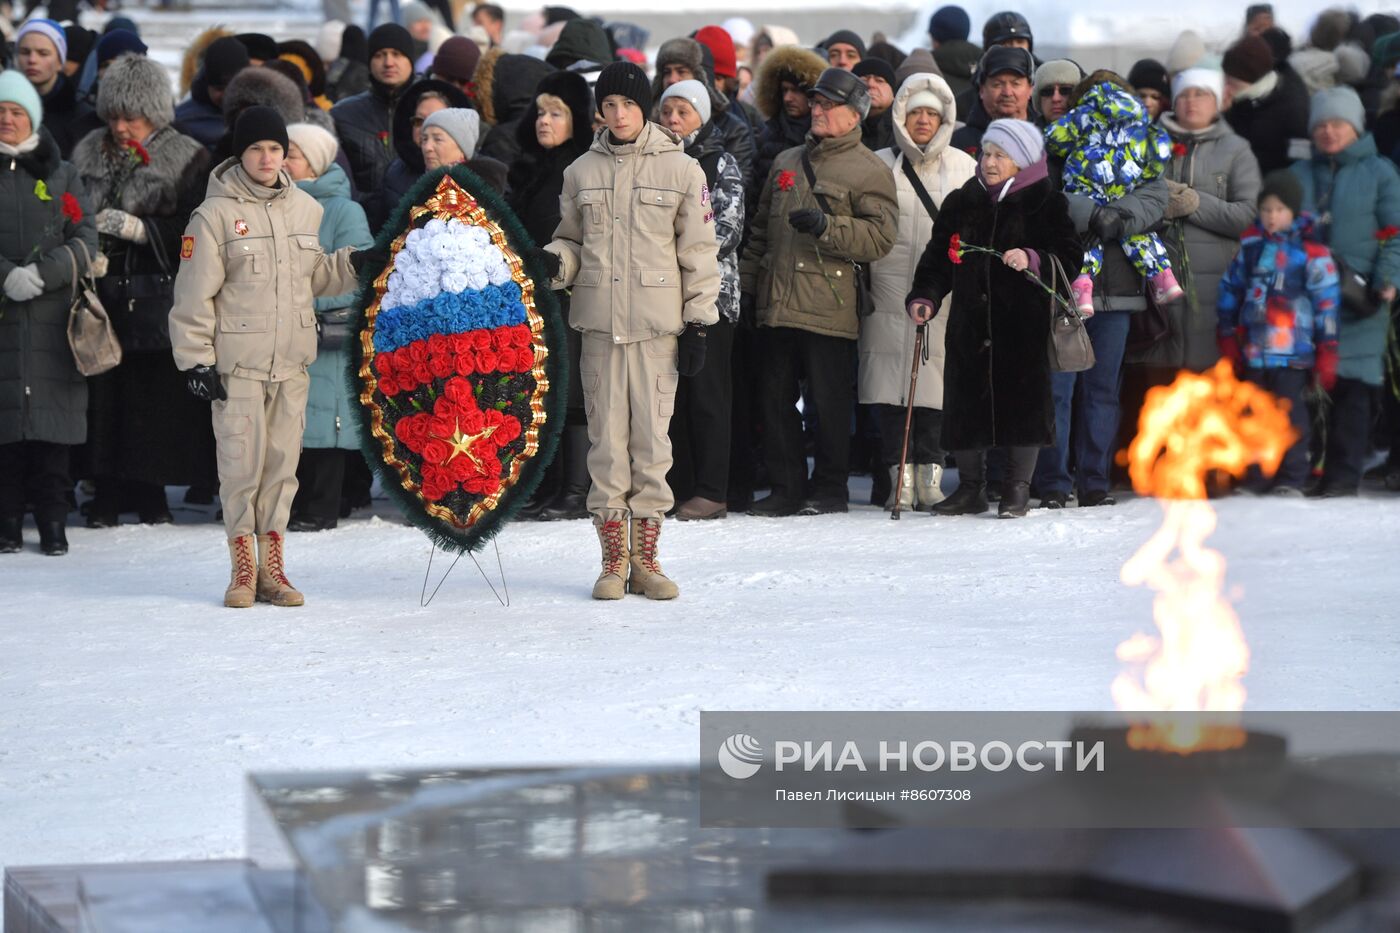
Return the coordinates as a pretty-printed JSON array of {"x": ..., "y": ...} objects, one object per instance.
[
  {"x": 245, "y": 566},
  {"x": 614, "y": 545},
  {"x": 651, "y": 533},
  {"x": 274, "y": 559}
]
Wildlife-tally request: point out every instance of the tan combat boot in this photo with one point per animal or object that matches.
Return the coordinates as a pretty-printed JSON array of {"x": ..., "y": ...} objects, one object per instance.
[
  {"x": 273, "y": 585},
  {"x": 647, "y": 576},
  {"x": 244, "y": 575},
  {"x": 612, "y": 582}
]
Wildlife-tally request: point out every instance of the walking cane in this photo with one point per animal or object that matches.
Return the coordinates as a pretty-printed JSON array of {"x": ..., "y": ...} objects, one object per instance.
[{"x": 920, "y": 356}]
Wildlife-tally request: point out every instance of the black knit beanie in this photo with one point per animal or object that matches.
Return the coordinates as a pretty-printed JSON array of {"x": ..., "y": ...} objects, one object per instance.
[
  {"x": 223, "y": 59},
  {"x": 1150, "y": 73},
  {"x": 1284, "y": 185},
  {"x": 391, "y": 36},
  {"x": 626, "y": 79},
  {"x": 257, "y": 124}
]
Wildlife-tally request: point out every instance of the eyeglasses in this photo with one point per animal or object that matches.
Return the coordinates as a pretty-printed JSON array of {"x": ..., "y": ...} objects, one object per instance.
[
  {"x": 416, "y": 122},
  {"x": 824, "y": 103},
  {"x": 1064, "y": 90}
]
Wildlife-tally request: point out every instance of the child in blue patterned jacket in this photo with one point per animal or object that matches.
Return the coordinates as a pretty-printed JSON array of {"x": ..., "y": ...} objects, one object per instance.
[
  {"x": 1110, "y": 148},
  {"x": 1277, "y": 311}
]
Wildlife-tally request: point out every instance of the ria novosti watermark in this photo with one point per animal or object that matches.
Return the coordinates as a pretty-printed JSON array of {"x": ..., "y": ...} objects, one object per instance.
[{"x": 1028, "y": 770}]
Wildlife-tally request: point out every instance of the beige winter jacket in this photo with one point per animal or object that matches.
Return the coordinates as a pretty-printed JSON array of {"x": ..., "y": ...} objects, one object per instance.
[
  {"x": 250, "y": 265},
  {"x": 887, "y": 336},
  {"x": 636, "y": 239},
  {"x": 807, "y": 282}
]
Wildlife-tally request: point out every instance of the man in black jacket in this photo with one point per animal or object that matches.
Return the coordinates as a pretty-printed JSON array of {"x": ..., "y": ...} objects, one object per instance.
[
  {"x": 1269, "y": 108},
  {"x": 365, "y": 122},
  {"x": 683, "y": 59},
  {"x": 1003, "y": 83}
]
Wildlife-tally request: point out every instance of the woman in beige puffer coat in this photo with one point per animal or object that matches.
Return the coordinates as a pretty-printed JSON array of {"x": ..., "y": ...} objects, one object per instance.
[{"x": 924, "y": 109}]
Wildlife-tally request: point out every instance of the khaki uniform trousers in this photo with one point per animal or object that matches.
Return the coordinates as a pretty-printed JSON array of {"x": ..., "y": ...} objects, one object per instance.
[
  {"x": 257, "y": 433},
  {"x": 629, "y": 392}
]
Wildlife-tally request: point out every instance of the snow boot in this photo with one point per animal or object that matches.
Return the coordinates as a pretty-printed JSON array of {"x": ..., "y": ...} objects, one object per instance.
[
  {"x": 1015, "y": 500},
  {"x": 1165, "y": 288},
  {"x": 1083, "y": 289},
  {"x": 928, "y": 486},
  {"x": 906, "y": 489},
  {"x": 647, "y": 575},
  {"x": 244, "y": 575},
  {"x": 612, "y": 582},
  {"x": 11, "y": 534},
  {"x": 53, "y": 539},
  {"x": 273, "y": 585}
]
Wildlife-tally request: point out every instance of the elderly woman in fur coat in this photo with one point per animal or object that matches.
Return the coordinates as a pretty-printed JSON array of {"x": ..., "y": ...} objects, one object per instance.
[
  {"x": 143, "y": 178},
  {"x": 996, "y": 377}
]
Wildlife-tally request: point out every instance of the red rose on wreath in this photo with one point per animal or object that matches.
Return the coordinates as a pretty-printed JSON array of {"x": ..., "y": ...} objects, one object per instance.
[
  {"x": 417, "y": 351},
  {"x": 388, "y": 386},
  {"x": 441, "y": 365},
  {"x": 522, "y": 335},
  {"x": 787, "y": 180},
  {"x": 459, "y": 443},
  {"x": 487, "y": 361},
  {"x": 481, "y": 340},
  {"x": 461, "y": 343},
  {"x": 459, "y": 392},
  {"x": 466, "y": 363},
  {"x": 422, "y": 374}
]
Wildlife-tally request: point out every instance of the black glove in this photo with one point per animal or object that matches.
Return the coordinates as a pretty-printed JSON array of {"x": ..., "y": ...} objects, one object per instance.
[
  {"x": 690, "y": 350},
  {"x": 204, "y": 383},
  {"x": 1107, "y": 223},
  {"x": 748, "y": 309},
  {"x": 364, "y": 257},
  {"x": 808, "y": 220},
  {"x": 551, "y": 262}
]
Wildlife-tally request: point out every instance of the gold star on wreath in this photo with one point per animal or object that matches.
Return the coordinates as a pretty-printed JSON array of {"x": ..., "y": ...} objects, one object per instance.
[{"x": 462, "y": 443}]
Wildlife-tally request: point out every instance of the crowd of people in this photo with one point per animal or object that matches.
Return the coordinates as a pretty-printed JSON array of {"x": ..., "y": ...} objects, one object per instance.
[{"x": 820, "y": 209}]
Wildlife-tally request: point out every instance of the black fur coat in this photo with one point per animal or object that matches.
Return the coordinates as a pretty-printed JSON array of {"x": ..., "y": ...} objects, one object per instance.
[{"x": 996, "y": 380}]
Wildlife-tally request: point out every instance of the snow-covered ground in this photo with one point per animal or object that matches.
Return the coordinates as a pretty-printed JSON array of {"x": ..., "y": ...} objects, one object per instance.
[{"x": 132, "y": 703}]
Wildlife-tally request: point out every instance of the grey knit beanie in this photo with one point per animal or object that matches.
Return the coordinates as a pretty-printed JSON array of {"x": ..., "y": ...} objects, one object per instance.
[{"x": 462, "y": 124}]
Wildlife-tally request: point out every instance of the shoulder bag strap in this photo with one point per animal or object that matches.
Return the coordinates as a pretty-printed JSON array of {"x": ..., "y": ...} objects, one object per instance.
[
  {"x": 812, "y": 183},
  {"x": 76, "y": 282},
  {"x": 919, "y": 189}
]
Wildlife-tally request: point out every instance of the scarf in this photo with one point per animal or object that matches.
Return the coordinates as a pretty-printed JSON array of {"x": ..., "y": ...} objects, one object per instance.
[
  {"x": 24, "y": 148},
  {"x": 1036, "y": 171}
]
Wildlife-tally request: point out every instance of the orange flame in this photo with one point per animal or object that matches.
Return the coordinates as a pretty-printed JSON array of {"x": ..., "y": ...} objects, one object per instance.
[{"x": 1197, "y": 662}]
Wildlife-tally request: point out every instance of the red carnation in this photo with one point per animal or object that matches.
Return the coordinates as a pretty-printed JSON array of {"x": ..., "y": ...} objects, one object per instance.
[
  {"x": 523, "y": 337},
  {"x": 466, "y": 363},
  {"x": 1178, "y": 149},
  {"x": 787, "y": 180},
  {"x": 137, "y": 152},
  {"x": 384, "y": 364},
  {"x": 524, "y": 360},
  {"x": 955, "y": 249},
  {"x": 487, "y": 361},
  {"x": 422, "y": 374},
  {"x": 481, "y": 340},
  {"x": 442, "y": 366},
  {"x": 461, "y": 343},
  {"x": 459, "y": 391},
  {"x": 388, "y": 386},
  {"x": 436, "y": 451},
  {"x": 1387, "y": 233},
  {"x": 471, "y": 420},
  {"x": 71, "y": 208}
]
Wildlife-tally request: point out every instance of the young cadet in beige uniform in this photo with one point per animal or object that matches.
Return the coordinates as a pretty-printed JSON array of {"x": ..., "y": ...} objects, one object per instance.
[
  {"x": 636, "y": 241},
  {"x": 244, "y": 329}
]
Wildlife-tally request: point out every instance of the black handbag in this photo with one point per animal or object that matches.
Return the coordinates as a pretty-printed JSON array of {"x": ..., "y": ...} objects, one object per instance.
[
  {"x": 865, "y": 292},
  {"x": 1357, "y": 296},
  {"x": 334, "y": 330},
  {"x": 139, "y": 302}
]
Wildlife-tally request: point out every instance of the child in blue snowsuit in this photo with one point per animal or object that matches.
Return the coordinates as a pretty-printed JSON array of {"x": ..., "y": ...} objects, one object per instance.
[
  {"x": 1110, "y": 148},
  {"x": 1277, "y": 311}
]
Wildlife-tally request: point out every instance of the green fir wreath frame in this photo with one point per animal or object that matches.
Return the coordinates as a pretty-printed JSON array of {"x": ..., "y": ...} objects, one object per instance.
[{"x": 474, "y": 199}]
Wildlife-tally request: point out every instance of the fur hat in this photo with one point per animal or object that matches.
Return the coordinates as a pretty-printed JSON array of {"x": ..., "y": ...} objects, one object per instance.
[
  {"x": 139, "y": 87},
  {"x": 785, "y": 63},
  {"x": 317, "y": 145},
  {"x": 262, "y": 86},
  {"x": 1285, "y": 186}
]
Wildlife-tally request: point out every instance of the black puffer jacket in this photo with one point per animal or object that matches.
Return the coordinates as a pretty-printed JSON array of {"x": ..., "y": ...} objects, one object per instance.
[
  {"x": 780, "y": 133},
  {"x": 42, "y": 396},
  {"x": 408, "y": 167},
  {"x": 364, "y": 124},
  {"x": 68, "y": 117},
  {"x": 1269, "y": 123},
  {"x": 511, "y": 84}
]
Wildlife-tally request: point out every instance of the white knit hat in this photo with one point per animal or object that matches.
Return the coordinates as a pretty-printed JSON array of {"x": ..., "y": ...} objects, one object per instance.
[
  {"x": 695, "y": 93},
  {"x": 318, "y": 145},
  {"x": 1208, "y": 79}
]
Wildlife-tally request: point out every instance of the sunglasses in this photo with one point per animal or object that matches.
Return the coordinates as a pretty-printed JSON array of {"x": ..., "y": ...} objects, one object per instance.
[{"x": 1064, "y": 90}]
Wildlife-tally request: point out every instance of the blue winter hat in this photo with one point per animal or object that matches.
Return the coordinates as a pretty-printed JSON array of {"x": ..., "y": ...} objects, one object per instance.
[
  {"x": 49, "y": 30},
  {"x": 949, "y": 23},
  {"x": 118, "y": 42},
  {"x": 1337, "y": 103},
  {"x": 16, "y": 89}
]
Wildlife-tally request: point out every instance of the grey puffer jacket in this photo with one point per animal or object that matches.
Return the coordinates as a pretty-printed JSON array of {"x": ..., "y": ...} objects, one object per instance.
[
  {"x": 42, "y": 395},
  {"x": 1218, "y": 164}
]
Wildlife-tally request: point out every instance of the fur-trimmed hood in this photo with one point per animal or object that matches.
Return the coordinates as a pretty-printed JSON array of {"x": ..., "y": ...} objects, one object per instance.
[
  {"x": 135, "y": 85},
  {"x": 784, "y": 63},
  {"x": 149, "y": 190},
  {"x": 193, "y": 59},
  {"x": 505, "y": 84},
  {"x": 259, "y": 86}
]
